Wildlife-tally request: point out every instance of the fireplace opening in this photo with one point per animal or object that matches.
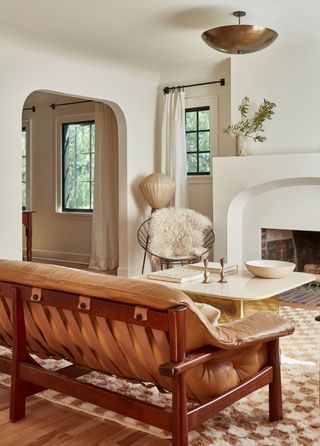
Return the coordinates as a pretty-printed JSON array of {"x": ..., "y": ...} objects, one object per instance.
[{"x": 300, "y": 247}]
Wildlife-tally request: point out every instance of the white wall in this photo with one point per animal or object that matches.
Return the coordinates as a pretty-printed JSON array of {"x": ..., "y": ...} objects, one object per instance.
[
  {"x": 55, "y": 235},
  {"x": 133, "y": 95},
  {"x": 291, "y": 80}
]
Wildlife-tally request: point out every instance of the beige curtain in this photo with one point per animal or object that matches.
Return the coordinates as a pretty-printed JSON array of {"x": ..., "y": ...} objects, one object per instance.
[
  {"x": 105, "y": 237},
  {"x": 173, "y": 145}
]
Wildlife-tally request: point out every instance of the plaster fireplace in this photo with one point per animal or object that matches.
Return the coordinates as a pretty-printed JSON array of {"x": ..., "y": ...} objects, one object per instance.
[{"x": 251, "y": 193}]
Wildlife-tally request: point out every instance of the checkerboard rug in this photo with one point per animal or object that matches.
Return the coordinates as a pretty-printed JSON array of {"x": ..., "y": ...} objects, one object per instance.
[{"x": 245, "y": 423}]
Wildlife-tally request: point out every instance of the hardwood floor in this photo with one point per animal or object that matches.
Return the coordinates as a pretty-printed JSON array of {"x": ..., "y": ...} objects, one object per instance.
[{"x": 51, "y": 425}]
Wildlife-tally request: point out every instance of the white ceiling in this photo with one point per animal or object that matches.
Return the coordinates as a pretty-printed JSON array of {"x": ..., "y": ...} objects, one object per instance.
[{"x": 155, "y": 35}]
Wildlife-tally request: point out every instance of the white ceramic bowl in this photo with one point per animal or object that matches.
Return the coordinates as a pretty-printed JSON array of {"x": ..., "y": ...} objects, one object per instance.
[{"x": 270, "y": 269}]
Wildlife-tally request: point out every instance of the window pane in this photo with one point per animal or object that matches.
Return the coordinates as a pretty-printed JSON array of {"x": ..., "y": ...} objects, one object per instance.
[
  {"x": 204, "y": 162},
  {"x": 92, "y": 167},
  {"x": 24, "y": 170},
  {"x": 24, "y": 142},
  {"x": 83, "y": 168},
  {"x": 93, "y": 135},
  {"x": 92, "y": 194},
  {"x": 24, "y": 195},
  {"x": 191, "y": 139},
  {"x": 198, "y": 140},
  {"x": 24, "y": 166},
  {"x": 83, "y": 196},
  {"x": 191, "y": 120},
  {"x": 204, "y": 120},
  {"x": 78, "y": 157},
  {"x": 192, "y": 162},
  {"x": 82, "y": 136},
  {"x": 204, "y": 142}
]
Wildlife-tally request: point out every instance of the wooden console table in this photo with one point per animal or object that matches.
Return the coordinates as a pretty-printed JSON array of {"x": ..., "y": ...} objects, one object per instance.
[{"x": 27, "y": 222}]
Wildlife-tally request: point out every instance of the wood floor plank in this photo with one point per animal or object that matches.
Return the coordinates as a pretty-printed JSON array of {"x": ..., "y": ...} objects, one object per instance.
[{"x": 49, "y": 424}]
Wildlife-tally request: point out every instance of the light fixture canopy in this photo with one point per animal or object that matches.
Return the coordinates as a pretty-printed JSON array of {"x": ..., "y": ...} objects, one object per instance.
[{"x": 239, "y": 39}]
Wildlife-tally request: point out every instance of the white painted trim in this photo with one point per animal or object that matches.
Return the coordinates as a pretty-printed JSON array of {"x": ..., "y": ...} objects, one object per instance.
[
  {"x": 72, "y": 215},
  {"x": 132, "y": 272},
  {"x": 199, "y": 179},
  {"x": 61, "y": 256}
]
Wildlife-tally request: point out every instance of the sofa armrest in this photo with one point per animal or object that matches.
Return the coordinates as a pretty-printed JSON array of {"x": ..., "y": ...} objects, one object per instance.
[
  {"x": 258, "y": 327},
  {"x": 192, "y": 359}
]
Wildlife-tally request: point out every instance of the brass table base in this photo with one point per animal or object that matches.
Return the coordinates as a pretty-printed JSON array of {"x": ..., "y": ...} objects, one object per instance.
[{"x": 232, "y": 309}]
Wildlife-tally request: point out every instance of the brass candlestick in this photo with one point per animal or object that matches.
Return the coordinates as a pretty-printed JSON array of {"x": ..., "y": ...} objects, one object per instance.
[
  {"x": 206, "y": 273},
  {"x": 222, "y": 279}
]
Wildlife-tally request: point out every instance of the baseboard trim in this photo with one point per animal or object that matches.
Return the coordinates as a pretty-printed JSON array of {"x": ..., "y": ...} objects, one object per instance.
[
  {"x": 128, "y": 272},
  {"x": 61, "y": 256}
]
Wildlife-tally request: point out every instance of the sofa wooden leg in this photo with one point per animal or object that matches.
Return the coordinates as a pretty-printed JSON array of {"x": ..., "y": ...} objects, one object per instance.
[
  {"x": 179, "y": 411},
  {"x": 275, "y": 392},
  {"x": 17, "y": 400},
  {"x": 19, "y": 353}
]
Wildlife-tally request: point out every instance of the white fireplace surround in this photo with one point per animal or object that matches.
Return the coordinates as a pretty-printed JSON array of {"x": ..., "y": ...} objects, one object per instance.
[{"x": 268, "y": 191}]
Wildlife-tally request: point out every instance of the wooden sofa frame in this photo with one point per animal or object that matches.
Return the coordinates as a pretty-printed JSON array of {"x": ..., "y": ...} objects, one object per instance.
[{"x": 28, "y": 378}]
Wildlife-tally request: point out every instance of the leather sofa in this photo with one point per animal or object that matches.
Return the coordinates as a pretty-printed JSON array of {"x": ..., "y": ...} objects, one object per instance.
[{"x": 137, "y": 330}]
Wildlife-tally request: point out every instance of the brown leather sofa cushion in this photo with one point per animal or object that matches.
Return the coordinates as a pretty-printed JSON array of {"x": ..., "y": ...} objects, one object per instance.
[{"x": 255, "y": 328}]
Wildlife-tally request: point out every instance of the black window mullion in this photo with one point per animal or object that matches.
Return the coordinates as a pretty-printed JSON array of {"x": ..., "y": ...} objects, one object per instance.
[
  {"x": 90, "y": 148},
  {"x": 197, "y": 152},
  {"x": 90, "y": 152}
]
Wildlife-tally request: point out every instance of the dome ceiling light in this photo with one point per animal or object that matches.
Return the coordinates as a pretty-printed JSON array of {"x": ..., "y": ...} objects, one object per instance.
[{"x": 239, "y": 39}]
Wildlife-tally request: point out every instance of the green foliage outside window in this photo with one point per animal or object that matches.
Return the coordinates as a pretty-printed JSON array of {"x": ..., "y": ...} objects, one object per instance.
[
  {"x": 78, "y": 166},
  {"x": 198, "y": 140}
]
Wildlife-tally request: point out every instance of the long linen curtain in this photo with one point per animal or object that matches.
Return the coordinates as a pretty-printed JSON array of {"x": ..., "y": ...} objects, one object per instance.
[
  {"x": 104, "y": 237},
  {"x": 173, "y": 145}
]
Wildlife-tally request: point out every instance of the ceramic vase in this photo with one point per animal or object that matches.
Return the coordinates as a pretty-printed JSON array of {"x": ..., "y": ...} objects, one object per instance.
[
  {"x": 157, "y": 189},
  {"x": 241, "y": 145}
]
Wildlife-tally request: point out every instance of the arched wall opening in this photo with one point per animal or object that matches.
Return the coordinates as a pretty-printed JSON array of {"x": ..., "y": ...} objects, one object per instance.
[{"x": 58, "y": 235}]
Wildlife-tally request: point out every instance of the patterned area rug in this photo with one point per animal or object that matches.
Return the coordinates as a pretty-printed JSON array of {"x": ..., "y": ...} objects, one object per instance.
[
  {"x": 245, "y": 423},
  {"x": 305, "y": 295}
]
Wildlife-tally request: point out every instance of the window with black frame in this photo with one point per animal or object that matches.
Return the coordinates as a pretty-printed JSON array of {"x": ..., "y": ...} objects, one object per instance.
[
  {"x": 24, "y": 167},
  {"x": 78, "y": 166},
  {"x": 198, "y": 140}
]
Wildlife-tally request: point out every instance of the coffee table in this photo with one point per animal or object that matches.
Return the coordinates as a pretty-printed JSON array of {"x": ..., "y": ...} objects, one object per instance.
[{"x": 243, "y": 294}]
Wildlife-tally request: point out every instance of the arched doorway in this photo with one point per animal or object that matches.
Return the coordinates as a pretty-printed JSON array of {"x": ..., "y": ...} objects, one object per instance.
[{"x": 62, "y": 221}]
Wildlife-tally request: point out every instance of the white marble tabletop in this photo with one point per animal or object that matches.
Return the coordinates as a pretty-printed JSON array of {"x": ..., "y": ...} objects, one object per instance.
[{"x": 241, "y": 286}]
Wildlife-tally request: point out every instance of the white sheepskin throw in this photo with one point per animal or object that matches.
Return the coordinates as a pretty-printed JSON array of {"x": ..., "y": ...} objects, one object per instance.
[{"x": 177, "y": 232}]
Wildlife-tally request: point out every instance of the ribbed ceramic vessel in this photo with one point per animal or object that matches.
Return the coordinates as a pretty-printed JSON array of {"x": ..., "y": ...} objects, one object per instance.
[{"x": 157, "y": 189}]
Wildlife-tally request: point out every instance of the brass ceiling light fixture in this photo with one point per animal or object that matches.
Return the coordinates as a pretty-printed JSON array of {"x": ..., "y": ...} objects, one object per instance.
[{"x": 239, "y": 39}]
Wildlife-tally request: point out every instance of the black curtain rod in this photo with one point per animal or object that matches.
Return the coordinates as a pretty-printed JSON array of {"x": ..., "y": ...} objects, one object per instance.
[
  {"x": 53, "y": 106},
  {"x": 167, "y": 90},
  {"x": 33, "y": 108}
]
